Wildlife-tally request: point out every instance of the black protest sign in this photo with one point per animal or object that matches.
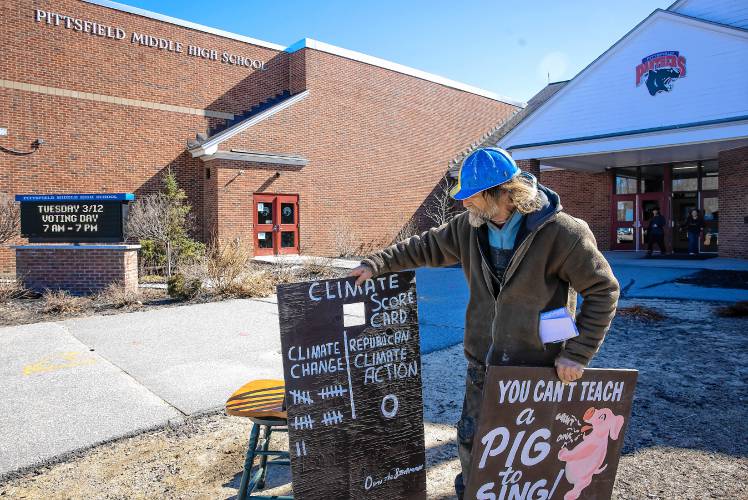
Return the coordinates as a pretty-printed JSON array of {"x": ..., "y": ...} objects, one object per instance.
[
  {"x": 352, "y": 368},
  {"x": 542, "y": 440}
]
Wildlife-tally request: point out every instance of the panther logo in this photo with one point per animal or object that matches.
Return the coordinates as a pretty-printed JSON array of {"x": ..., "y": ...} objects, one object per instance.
[
  {"x": 661, "y": 80},
  {"x": 660, "y": 70}
]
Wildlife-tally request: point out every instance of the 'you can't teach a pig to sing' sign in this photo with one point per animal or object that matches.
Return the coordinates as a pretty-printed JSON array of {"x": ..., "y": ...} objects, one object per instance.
[
  {"x": 352, "y": 369},
  {"x": 539, "y": 439}
]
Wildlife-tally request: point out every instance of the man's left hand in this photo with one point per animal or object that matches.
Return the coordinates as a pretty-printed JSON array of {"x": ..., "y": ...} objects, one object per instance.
[{"x": 568, "y": 370}]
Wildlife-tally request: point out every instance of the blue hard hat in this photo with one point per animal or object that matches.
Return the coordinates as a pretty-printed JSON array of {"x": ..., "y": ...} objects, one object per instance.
[{"x": 484, "y": 168}]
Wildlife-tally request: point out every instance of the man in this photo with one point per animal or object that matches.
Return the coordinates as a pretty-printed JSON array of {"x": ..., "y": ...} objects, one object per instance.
[
  {"x": 656, "y": 232},
  {"x": 521, "y": 256},
  {"x": 694, "y": 226}
]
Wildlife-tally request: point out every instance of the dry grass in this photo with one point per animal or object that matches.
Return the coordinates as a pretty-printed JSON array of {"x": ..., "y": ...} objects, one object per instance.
[
  {"x": 61, "y": 303},
  {"x": 13, "y": 289},
  {"x": 736, "y": 310},
  {"x": 224, "y": 264},
  {"x": 642, "y": 313},
  {"x": 256, "y": 282},
  {"x": 344, "y": 240},
  {"x": 117, "y": 296},
  {"x": 318, "y": 268},
  {"x": 260, "y": 280},
  {"x": 152, "y": 278}
]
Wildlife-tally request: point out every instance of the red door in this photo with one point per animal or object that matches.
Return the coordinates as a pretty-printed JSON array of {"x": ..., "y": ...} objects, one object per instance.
[{"x": 276, "y": 224}]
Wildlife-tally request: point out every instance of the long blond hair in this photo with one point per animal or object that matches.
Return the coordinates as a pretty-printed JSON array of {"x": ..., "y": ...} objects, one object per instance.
[{"x": 522, "y": 190}]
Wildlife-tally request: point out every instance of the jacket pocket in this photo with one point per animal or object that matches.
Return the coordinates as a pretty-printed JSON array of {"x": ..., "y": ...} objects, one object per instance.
[{"x": 518, "y": 325}]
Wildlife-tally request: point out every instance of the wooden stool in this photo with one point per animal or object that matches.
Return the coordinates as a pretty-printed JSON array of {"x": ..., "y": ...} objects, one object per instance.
[{"x": 262, "y": 402}]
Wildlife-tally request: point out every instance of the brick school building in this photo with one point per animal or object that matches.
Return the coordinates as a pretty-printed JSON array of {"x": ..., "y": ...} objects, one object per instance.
[{"x": 299, "y": 148}]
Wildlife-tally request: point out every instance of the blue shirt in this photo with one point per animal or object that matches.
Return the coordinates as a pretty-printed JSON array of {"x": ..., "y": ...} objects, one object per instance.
[
  {"x": 501, "y": 242},
  {"x": 503, "y": 237}
]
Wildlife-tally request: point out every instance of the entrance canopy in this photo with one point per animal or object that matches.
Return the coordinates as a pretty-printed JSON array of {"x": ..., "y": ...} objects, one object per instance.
[
  {"x": 646, "y": 148},
  {"x": 670, "y": 90}
]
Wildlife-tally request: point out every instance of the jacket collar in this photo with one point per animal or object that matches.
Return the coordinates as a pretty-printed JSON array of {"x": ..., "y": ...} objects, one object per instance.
[{"x": 550, "y": 206}]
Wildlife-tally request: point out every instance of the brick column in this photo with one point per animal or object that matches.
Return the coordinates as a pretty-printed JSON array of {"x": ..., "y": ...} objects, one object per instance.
[
  {"x": 733, "y": 203},
  {"x": 584, "y": 195},
  {"x": 79, "y": 269}
]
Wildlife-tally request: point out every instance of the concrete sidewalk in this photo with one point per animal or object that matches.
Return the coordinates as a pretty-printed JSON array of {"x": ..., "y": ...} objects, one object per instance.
[{"x": 80, "y": 382}]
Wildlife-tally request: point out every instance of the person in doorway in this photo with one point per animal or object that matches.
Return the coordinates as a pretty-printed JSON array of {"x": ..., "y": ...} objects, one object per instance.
[
  {"x": 694, "y": 226},
  {"x": 521, "y": 255},
  {"x": 656, "y": 232}
]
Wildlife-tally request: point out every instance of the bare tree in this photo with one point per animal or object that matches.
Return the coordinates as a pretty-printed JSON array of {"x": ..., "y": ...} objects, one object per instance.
[
  {"x": 440, "y": 208},
  {"x": 405, "y": 231},
  {"x": 148, "y": 219},
  {"x": 10, "y": 221}
]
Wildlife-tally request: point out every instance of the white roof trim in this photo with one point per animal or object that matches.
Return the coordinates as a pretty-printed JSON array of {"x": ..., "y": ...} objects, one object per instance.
[
  {"x": 661, "y": 139},
  {"x": 308, "y": 43},
  {"x": 183, "y": 23},
  {"x": 507, "y": 140},
  {"x": 257, "y": 157},
  {"x": 210, "y": 146}
]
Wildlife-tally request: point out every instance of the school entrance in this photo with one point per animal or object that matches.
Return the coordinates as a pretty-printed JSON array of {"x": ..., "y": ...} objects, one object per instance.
[
  {"x": 276, "y": 224},
  {"x": 675, "y": 189}
]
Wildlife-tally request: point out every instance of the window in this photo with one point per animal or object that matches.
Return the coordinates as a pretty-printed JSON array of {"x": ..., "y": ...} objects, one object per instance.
[
  {"x": 287, "y": 213},
  {"x": 265, "y": 239},
  {"x": 652, "y": 179},
  {"x": 685, "y": 177},
  {"x": 709, "y": 175},
  {"x": 625, "y": 211},
  {"x": 287, "y": 239},
  {"x": 711, "y": 209},
  {"x": 626, "y": 180},
  {"x": 625, "y": 235},
  {"x": 265, "y": 213}
]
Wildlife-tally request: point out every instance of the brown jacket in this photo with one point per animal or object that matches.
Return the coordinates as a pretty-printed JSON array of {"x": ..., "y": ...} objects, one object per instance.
[{"x": 555, "y": 255}]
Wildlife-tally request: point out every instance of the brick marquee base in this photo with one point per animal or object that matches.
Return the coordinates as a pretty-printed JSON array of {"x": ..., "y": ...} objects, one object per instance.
[{"x": 79, "y": 269}]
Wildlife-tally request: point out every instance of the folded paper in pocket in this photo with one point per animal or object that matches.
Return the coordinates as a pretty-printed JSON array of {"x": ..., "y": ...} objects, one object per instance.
[{"x": 557, "y": 326}]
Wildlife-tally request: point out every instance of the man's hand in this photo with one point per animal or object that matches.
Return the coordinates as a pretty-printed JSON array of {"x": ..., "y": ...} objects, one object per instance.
[
  {"x": 568, "y": 370},
  {"x": 362, "y": 272}
]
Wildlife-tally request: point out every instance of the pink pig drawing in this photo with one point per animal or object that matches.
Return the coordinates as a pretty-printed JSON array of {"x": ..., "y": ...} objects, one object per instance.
[{"x": 586, "y": 459}]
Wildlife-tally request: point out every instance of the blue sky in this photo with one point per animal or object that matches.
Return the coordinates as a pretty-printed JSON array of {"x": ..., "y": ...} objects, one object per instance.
[{"x": 508, "y": 47}]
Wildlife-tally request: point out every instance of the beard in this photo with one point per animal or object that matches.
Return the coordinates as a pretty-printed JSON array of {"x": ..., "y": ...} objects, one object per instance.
[{"x": 477, "y": 218}]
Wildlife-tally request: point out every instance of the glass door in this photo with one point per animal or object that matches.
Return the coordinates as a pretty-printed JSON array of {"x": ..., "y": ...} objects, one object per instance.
[
  {"x": 264, "y": 224},
  {"x": 710, "y": 212},
  {"x": 624, "y": 223},
  {"x": 683, "y": 203},
  {"x": 710, "y": 205},
  {"x": 276, "y": 224},
  {"x": 288, "y": 224},
  {"x": 648, "y": 203}
]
